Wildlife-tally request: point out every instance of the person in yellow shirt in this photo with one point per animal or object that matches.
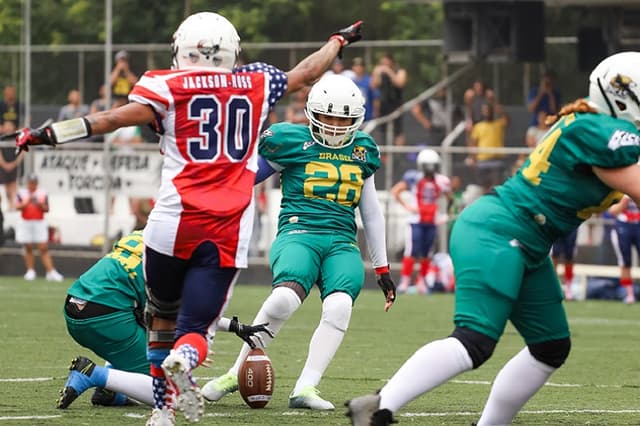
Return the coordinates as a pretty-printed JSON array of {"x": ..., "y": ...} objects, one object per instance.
[{"x": 489, "y": 133}]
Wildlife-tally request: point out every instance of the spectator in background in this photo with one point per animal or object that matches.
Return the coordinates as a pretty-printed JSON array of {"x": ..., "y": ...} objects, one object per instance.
[
  {"x": 489, "y": 133},
  {"x": 474, "y": 97},
  {"x": 32, "y": 231},
  {"x": 390, "y": 80},
  {"x": 434, "y": 117},
  {"x": 11, "y": 111},
  {"x": 122, "y": 78},
  {"x": 363, "y": 81},
  {"x": 564, "y": 249},
  {"x": 100, "y": 103},
  {"x": 544, "y": 97},
  {"x": 533, "y": 137},
  {"x": 75, "y": 108},
  {"x": 626, "y": 236},
  {"x": 337, "y": 67},
  {"x": 124, "y": 138},
  {"x": 535, "y": 133},
  {"x": 295, "y": 110}
]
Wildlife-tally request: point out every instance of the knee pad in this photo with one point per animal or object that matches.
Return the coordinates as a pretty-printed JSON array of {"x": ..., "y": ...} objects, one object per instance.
[
  {"x": 553, "y": 353},
  {"x": 155, "y": 308},
  {"x": 282, "y": 303},
  {"x": 479, "y": 346},
  {"x": 336, "y": 310},
  {"x": 160, "y": 309}
]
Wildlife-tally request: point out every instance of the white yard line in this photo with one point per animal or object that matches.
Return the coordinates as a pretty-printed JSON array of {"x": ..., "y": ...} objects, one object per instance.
[
  {"x": 471, "y": 413},
  {"x": 28, "y": 417}
]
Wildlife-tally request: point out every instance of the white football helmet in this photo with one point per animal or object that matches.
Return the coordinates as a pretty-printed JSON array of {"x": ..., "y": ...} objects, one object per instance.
[
  {"x": 428, "y": 162},
  {"x": 614, "y": 86},
  {"x": 205, "y": 39},
  {"x": 337, "y": 96}
]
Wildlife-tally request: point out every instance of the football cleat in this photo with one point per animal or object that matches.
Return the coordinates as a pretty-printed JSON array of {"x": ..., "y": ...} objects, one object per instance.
[
  {"x": 365, "y": 411},
  {"x": 309, "y": 397},
  {"x": 107, "y": 398},
  {"x": 164, "y": 416},
  {"x": 78, "y": 381},
  {"x": 189, "y": 399},
  {"x": 215, "y": 389}
]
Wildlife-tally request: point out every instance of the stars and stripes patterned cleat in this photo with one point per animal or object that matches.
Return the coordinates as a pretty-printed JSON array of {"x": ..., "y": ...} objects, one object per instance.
[{"x": 189, "y": 400}]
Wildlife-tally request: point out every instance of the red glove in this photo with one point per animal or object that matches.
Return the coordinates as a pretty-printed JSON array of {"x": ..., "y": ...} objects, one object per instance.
[{"x": 28, "y": 136}]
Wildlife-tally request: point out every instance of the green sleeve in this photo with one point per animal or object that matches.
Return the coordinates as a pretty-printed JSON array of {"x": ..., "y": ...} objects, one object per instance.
[{"x": 604, "y": 141}]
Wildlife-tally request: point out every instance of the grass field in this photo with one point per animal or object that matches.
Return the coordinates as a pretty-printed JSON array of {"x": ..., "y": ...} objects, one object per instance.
[{"x": 599, "y": 384}]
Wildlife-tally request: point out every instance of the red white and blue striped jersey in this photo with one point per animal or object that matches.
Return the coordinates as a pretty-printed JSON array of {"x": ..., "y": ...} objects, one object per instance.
[{"x": 209, "y": 122}]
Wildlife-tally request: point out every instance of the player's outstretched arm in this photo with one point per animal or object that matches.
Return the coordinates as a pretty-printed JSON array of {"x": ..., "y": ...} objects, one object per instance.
[
  {"x": 80, "y": 128},
  {"x": 313, "y": 66}
]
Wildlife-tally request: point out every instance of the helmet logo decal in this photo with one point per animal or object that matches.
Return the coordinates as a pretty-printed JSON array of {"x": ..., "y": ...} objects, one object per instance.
[
  {"x": 359, "y": 153},
  {"x": 620, "y": 85}
]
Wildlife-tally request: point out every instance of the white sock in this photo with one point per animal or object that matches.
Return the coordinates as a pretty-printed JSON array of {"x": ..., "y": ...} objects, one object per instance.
[
  {"x": 514, "y": 385},
  {"x": 134, "y": 385},
  {"x": 336, "y": 314},
  {"x": 431, "y": 365},
  {"x": 279, "y": 306}
]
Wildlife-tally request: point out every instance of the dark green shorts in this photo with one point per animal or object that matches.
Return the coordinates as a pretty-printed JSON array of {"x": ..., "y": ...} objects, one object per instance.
[
  {"x": 116, "y": 337},
  {"x": 494, "y": 283},
  {"x": 331, "y": 261}
]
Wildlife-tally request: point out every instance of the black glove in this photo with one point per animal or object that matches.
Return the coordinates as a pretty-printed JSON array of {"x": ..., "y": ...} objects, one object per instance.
[
  {"x": 27, "y": 137},
  {"x": 246, "y": 332},
  {"x": 348, "y": 35},
  {"x": 385, "y": 283}
]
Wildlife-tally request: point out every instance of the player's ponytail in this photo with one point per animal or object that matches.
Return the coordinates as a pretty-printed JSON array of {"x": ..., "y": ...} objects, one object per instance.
[{"x": 579, "y": 105}]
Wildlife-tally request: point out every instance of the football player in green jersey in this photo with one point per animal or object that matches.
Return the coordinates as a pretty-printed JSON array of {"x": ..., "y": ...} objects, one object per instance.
[
  {"x": 500, "y": 250},
  {"x": 326, "y": 171},
  {"x": 104, "y": 312}
]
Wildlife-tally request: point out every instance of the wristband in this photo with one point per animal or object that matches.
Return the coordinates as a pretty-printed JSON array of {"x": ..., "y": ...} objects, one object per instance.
[
  {"x": 381, "y": 270},
  {"x": 341, "y": 39},
  {"x": 70, "y": 130}
]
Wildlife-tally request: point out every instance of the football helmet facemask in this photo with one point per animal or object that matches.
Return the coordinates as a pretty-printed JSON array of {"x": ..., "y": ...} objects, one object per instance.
[
  {"x": 428, "y": 162},
  {"x": 205, "y": 39},
  {"x": 614, "y": 86},
  {"x": 337, "y": 96}
]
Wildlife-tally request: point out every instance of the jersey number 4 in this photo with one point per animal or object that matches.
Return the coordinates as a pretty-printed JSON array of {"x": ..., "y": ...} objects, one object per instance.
[{"x": 236, "y": 138}]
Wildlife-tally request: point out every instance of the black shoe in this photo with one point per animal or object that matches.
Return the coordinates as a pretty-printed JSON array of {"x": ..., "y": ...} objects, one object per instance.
[
  {"x": 78, "y": 381},
  {"x": 382, "y": 418},
  {"x": 108, "y": 398}
]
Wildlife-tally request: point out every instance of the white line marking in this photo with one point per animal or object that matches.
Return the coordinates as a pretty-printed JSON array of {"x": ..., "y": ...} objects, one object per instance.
[
  {"x": 28, "y": 379},
  {"x": 471, "y": 413},
  {"x": 550, "y": 384},
  {"x": 29, "y": 417}
]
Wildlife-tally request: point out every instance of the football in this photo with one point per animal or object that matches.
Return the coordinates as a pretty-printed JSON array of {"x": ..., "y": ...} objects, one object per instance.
[{"x": 256, "y": 379}]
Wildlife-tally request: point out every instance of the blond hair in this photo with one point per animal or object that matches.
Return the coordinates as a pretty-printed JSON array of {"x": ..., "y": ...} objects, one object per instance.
[{"x": 579, "y": 105}]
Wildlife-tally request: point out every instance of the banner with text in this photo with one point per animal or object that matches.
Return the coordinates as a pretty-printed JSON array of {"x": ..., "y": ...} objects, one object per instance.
[{"x": 82, "y": 172}]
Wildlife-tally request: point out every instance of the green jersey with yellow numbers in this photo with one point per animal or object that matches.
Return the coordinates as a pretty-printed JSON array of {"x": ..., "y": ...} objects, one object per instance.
[
  {"x": 320, "y": 186},
  {"x": 555, "y": 189},
  {"x": 116, "y": 280}
]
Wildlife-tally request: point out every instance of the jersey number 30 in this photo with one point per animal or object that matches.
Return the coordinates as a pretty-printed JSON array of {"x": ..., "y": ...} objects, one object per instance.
[{"x": 211, "y": 141}]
